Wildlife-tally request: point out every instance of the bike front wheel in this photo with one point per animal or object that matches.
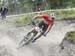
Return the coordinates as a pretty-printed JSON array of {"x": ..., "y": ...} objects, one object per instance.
[{"x": 27, "y": 39}]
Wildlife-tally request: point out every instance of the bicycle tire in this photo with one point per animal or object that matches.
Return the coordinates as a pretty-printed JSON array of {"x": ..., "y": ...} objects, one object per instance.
[{"x": 27, "y": 41}]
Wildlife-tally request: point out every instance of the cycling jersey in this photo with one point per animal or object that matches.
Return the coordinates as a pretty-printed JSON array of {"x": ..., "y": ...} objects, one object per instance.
[{"x": 47, "y": 19}]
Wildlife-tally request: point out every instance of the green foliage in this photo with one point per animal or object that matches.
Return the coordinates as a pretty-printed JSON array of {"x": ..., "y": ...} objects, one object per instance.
[
  {"x": 25, "y": 6},
  {"x": 22, "y": 20},
  {"x": 71, "y": 36},
  {"x": 25, "y": 19},
  {"x": 65, "y": 14}
]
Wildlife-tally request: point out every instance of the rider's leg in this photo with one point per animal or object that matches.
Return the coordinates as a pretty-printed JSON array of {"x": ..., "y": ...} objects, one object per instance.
[
  {"x": 37, "y": 37},
  {"x": 31, "y": 30},
  {"x": 44, "y": 28}
]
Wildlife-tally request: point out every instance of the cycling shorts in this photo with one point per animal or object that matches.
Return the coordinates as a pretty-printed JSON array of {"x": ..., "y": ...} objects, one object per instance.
[{"x": 43, "y": 25}]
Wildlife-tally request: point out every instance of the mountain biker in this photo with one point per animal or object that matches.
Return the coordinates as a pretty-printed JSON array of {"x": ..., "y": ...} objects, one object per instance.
[{"x": 46, "y": 24}]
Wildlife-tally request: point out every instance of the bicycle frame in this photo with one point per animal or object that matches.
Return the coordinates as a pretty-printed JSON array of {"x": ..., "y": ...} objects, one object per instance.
[{"x": 29, "y": 37}]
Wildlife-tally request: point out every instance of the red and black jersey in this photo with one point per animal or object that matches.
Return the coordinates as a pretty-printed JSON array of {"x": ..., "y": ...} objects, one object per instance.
[{"x": 47, "y": 19}]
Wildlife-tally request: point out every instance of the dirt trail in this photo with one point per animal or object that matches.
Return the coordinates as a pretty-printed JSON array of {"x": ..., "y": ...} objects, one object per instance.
[{"x": 45, "y": 46}]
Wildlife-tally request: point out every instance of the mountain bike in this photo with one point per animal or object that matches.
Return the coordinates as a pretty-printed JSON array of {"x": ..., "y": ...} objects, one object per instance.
[{"x": 29, "y": 36}]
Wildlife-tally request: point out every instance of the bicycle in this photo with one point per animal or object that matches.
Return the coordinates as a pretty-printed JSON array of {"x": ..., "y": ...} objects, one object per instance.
[{"x": 30, "y": 36}]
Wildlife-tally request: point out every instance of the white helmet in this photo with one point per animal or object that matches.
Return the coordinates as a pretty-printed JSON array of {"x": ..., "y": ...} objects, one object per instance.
[{"x": 53, "y": 16}]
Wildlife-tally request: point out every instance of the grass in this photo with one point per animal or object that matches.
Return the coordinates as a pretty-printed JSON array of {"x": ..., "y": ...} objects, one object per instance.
[
  {"x": 70, "y": 36},
  {"x": 24, "y": 19}
]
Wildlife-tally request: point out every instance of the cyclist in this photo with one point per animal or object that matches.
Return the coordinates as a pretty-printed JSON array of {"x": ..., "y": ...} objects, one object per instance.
[{"x": 46, "y": 24}]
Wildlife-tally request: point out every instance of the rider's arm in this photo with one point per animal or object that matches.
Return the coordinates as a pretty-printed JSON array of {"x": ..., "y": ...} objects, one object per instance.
[
  {"x": 48, "y": 29},
  {"x": 38, "y": 16}
]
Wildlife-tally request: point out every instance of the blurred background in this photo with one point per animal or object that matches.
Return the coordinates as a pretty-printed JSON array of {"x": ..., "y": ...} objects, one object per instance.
[{"x": 26, "y": 6}]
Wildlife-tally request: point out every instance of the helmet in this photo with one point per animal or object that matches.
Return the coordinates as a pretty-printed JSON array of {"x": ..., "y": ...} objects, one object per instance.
[{"x": 53, "y": 16}]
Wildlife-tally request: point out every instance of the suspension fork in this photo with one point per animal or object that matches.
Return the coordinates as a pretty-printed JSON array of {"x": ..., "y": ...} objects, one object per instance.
[{"x": 32, "y": 30}]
